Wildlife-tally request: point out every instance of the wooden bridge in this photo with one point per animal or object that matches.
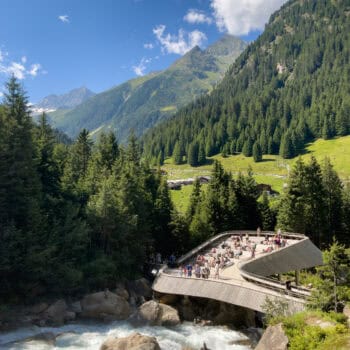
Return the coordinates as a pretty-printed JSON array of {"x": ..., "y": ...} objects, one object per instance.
[{"x": 246, "y": 283}]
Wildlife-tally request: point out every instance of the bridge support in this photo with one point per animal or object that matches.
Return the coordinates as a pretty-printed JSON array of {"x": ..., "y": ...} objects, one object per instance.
[{"x": 297, "y": 277}]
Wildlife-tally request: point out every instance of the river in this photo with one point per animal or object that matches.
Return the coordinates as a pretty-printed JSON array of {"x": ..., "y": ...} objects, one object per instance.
[{"x": 91, "y": 336}]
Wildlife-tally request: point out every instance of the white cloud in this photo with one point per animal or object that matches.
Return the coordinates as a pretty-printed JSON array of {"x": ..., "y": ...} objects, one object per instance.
[
  {"x": 149, "y": 46},
  {"x": 178, "y": 44},
  {"x": 141, "y": 67},
  {"x": 195, "y": 16},
  {"x": 34, "y": 69},
  {"x": 15, "y": 68},
  {"x": 240, "y": 17},
  {"x": 18, "y": 69},
  {"x": 1, "y": 94},
  {"x": 64, "y": 18}
]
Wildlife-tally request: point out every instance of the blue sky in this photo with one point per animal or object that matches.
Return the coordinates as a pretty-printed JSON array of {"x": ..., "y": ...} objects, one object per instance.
[{"x": 53, "y": 46}]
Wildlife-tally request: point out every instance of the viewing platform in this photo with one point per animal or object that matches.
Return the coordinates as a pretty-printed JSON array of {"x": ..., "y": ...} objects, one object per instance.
[{"x": 245, "y": 280}]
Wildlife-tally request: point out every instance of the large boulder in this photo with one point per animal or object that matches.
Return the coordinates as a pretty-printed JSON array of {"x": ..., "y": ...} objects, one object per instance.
[
  {"x": 140, "y": 288},
  {"x": 156, "y": 314},
  {"x": 55, "y": 314},
  {"x": 273, "y": 338},
  {"x": 76, "y": 307},
  {"x": 168, "y": 316},
  {"x": 135, "y": 341},
  {"x": 38, "y": 308},
  {"x": 105, "y": 306}
]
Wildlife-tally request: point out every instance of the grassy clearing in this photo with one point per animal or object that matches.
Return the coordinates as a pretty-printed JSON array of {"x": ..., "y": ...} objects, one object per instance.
[
  {"x": 181, "y": 198},
  {"x": 273, "y": 170}
]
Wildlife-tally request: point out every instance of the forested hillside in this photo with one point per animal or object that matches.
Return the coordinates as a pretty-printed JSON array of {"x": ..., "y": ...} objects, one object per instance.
[
  {"x": 141, "y": 103},
  {"x": 288, "y": 87},
  {"x": 76, "y": 217}
]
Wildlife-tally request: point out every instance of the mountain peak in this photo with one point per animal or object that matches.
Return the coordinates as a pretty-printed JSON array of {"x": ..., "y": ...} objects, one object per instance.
[
  {"x": 226, "y": 45},
  {"x": 68, "y": 100}
]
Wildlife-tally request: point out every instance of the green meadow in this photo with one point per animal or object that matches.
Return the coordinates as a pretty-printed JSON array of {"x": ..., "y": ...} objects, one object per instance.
[{"x": 273, "y": 170}]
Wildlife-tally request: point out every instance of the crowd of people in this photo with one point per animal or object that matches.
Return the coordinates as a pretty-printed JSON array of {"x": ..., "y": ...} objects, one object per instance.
[{"x": 214, "y": 260}]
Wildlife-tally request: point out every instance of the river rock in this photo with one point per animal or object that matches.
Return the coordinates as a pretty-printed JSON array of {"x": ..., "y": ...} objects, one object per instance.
[
  {"x": 69, "y": 316},
  {"x": 154, "y": 314},
  {"x": 122, "y": 292},
  {"x": 55, "y": 313},
  {"x": 168, "y": 315},
  {"x": 38, "y": 308},
  {"x": 273, "y": 338},
  {"x": 135, "y": 341},
  {"x": 105, "y": 306},
  {"x": 76, "y": 307},
  {"x": 140, "y": 287}
]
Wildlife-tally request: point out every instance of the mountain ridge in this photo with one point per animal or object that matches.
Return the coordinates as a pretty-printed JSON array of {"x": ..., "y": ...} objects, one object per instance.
[
  {"x": 67, "y": 100},
  {"x": 140, "y": 103},
  {"x": 288, "y": 87}
]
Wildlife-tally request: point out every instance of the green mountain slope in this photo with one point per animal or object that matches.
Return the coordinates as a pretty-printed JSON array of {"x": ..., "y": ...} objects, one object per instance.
[
  {"x": 290, "y": 86},
  {"x": 140, "y": 103}
]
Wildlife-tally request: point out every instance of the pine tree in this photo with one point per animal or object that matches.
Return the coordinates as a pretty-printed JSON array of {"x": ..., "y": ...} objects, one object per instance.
[
  {"x": 164, "y": 240},
  {"x": 194, "y": 200},
  {"x": 303, "y": 207},
  {"x": 19, "y": 181},
  {"x": 286, "y": 148},
  {"x": 201, "y": 155},
  {"x": 257, "y": 152},
  {"x": 326, "y": 131},
  {"x": 193, "y": 153},
  {"x": 22, "y": 241},
  {"x": 267, "y": 217},
  {"x": 108, "y": 150},
  {"x": 331, "y": 292},
  {"x": 333, "y": 201},
  {"x": 247, "y": 148},
  {"x": 47, "y": 166},
  {"x": 177, "y": 154}
]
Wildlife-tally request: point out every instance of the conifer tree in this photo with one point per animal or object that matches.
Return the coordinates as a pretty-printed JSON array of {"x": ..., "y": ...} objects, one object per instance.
[
  {"x": 257, "y": 152},
  {"x": 108, "y": 150},
  {"x": 177, "y": 154},
  {"x": 326, "y": 132},
  {"x": 333, "y": 201},
  {"x": 286, "y": 148},
  {"x": 193, "y": 153},
  {"x": 267, "y": 217},
  {"x": 194, "y": 200},
  {"x": 164, "y": 240},
  {"x": 19, "y": 181},
  {"x": 247, "y": 148},
  {"x": 201, "y": 155}
]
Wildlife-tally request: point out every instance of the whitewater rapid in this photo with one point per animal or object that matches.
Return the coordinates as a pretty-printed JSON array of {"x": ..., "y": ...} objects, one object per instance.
[{"x": 91, "y": 336}]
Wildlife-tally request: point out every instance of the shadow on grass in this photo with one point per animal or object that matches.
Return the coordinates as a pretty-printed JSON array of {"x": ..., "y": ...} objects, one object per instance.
[
  {"x": 209, "y": 162},
  {"x": 266, "y": 160}
]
